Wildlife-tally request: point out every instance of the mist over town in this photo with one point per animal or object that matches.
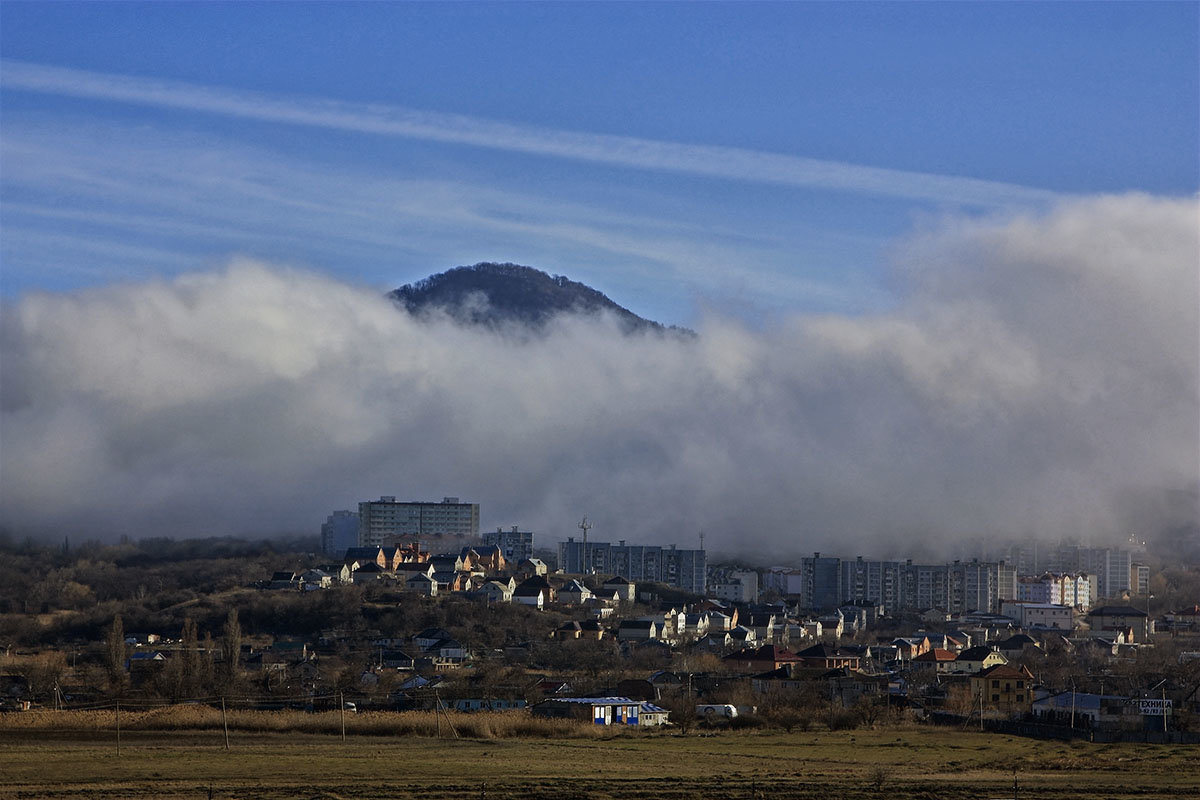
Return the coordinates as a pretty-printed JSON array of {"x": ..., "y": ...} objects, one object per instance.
[
  {"x": 603, "y": 400},
  {"x": 1031, "y": 381}
]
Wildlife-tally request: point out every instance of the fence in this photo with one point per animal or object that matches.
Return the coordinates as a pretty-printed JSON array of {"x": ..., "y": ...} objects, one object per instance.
[{"x": 1039, "y": 730}]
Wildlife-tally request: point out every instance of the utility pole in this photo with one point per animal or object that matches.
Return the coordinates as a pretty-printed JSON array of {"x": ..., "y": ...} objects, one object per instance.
[
  {"x": 342, "y": 708},
  {"x": 585, "y": 526}
]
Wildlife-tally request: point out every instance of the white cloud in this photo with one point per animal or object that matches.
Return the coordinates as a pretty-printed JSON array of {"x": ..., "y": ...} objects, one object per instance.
[
  {"x": 1038, "y": 374},
  {"x": 728, "y": 163},
  {"x": 84, "y": 198}
]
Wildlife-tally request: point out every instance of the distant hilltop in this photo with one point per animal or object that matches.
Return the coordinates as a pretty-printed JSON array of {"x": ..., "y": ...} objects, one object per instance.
[{"x": 494, "y": 295}]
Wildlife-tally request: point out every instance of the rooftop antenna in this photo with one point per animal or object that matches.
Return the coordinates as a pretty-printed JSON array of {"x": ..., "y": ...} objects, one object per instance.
[
  {"x": 701, "y": 538},
  {"x": 585, "y": 526}
]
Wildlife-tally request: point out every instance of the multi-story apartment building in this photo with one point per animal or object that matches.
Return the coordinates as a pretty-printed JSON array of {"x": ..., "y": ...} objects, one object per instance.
[
  {"x": 670, "y": 565},
  {"x": 738, "y": 586},
  {"x": 1111, "y": 566},
  {"x": 925, "y": 586},
  {"x": 784, "y": 580},
  {"x": 1006, "y": 581},
  {"x": 339, "y": 533},
  {"x": 821, "y": 583},
  {"x": 515, "y": 544},
  {"x": 872, "y": 583},
  {"x": 385, "y": 520},
  {"x": 1139, "y": 579},
  {"x": 1065, "y": 590}
]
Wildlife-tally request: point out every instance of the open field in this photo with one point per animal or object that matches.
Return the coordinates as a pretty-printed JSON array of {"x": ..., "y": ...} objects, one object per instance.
[{"x": 913, "y": 762}]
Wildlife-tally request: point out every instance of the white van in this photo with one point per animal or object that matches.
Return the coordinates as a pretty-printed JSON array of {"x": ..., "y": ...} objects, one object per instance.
[{"x": 717, "y": 711}]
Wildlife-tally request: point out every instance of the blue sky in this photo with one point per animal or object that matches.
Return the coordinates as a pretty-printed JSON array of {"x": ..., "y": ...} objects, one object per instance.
[{"x": 764, "y": 157}]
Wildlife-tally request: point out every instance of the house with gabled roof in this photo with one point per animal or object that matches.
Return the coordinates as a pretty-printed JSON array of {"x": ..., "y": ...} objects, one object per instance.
[
  {"x": 448, "y": 562},
  {"x": 937, "y": 661},
  {"x": 741, "y": 636},
  {"x": 408, "y": 554},
  {"x": 531, "y": 567},
  {"x": 1006, "y": 687},
  {"x": 534, "y": 592},
  {"x": 573, "y": 593},
  {"x": 1015, "y": 645},
  {"x": 487, "y": 558},
  {"x": 407, "y": 569},
  {"x": 368, "y": 573},
  {"x": 714, "y": 642},
  {"x": 315, "y": 579},
  {"x": 626, "y": 590},
  {"x": 909, "y": 647},
  {"x": 367, "y": 555},
  {"x": 695, "y": 626},
  {"x": 422, "y": 583},
  {"x": 591, "y": 629},
  {"x": 638, "y": 630},
  {"x": 451, "y": 581},
  {"x": 341, "y": 572},
  {"x": 1107, "y": 621},
  {"x": 760, "y": 659},
  {"x": 976, "y": 659},
  {"x": 568, "y": 630},
  {"x": 496, "y": 591},
  {"x": 601, "y": 607},
  {"x": 823, "y": 655}
]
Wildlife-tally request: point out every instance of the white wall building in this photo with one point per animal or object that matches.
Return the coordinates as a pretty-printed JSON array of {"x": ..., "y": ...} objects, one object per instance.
[{"x": 1049, "y": 616}]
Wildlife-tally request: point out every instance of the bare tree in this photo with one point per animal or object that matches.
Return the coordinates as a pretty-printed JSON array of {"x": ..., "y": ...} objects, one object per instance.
[{"x": 683, "y": 711}]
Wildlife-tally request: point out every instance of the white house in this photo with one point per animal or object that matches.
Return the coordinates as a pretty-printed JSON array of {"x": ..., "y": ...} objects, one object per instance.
[
  {"x": 422, "y": 583},
  {"x": 574, "y": 593},
  {"x": 626, "y": 591},
  {"x": 497, "y": 592}
]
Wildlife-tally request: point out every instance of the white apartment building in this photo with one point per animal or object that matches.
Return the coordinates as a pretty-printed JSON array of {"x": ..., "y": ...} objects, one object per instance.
[
  {"x": 1064, "y": 590},
  {"x": 384, "y": 520}
]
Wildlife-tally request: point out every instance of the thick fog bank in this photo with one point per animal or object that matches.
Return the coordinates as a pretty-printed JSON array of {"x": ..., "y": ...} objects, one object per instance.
[{"x": 1037, "y": 377}]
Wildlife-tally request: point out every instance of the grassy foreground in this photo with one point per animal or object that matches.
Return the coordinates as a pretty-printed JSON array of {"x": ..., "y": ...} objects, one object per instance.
[{"x": 918, "y": 762}]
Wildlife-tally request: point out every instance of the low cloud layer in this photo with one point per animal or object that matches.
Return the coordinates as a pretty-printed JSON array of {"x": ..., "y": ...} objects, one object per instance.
[{"x": 1038, "y": 376}]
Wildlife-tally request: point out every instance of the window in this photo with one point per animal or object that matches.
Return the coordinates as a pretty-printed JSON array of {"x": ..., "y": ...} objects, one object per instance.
[
  {"x": 1020, "y": 684},
  {"x": 995, "y": 684},
  {"x": 1020, "y": 698},
  {"x": 995, "y": 698}
]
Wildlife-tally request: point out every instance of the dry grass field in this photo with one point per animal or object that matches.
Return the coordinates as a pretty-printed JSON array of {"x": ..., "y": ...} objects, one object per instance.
[{"x": 79, "y": 760}]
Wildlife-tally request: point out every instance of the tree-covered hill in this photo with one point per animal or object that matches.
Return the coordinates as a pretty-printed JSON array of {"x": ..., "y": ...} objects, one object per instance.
[{"x": 501, "y": 294}]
